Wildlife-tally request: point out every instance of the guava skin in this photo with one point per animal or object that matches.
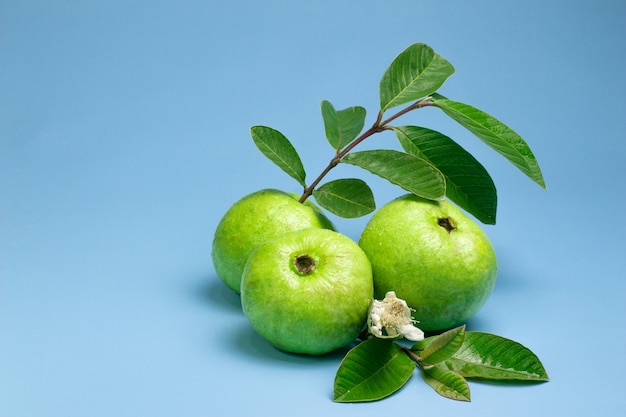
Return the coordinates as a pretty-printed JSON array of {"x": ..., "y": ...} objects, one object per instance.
[
  {"x": 255, "y": 219},
  {"x": 433, "y": 256},
  {"x": 313, "y": 308}
]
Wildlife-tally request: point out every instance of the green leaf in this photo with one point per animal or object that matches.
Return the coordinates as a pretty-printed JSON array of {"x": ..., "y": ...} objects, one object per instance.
[
  {"x": 407, "y": 171},
  {"x": 279, "y": 150},
  {"x": 415, "y": 73},
  {"x": 468, "y": 183},
  {"x": 494, "y": 133},
  {"x": 443, "y": 346},
  {"x": 342, "y": 126},
  {"x": 487, "y": 356},
  {"x": 422, "y": 344},
  {"x": 349, "y": 198},
  {"x": 374, "y": 369},
  {"x": 447, "y": 383}
]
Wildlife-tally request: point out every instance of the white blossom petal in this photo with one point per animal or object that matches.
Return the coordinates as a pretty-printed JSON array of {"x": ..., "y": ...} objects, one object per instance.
[{"x": 411, "y": 332}]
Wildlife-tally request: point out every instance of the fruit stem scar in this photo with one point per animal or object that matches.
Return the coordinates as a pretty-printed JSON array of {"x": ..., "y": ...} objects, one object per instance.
[
  {"x": 304, "y": 263},
  {"x": 447, "y": 223}
]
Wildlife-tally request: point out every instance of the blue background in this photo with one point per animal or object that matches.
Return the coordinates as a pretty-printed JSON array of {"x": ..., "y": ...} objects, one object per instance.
[{"x": 124, "y": 137}]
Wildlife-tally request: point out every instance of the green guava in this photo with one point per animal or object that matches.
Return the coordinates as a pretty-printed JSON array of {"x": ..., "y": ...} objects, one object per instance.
[
  {"x": 255, "y": 219},
  {"x": 433, "y": 256},
  {"x": 308, "y": 291}
]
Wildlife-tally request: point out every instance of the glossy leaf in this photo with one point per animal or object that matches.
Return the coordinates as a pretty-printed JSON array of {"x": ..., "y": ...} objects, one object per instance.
[
  {"x": 342, "y": 126},
  {"x": 407, "y": 171},
  {"x": 348, "y": 198},
  {"x": 468, "y": 183},
  {"x": 484, "y": 355},
  {"x": 279, "y": 150},
  {"x": 443, "y": 346},
  {"x": 415, "y": 73},
  {"x": 374, "y": 369},
  {"x": 447, "y": 383},
  {"x": 494, "y": 133}
]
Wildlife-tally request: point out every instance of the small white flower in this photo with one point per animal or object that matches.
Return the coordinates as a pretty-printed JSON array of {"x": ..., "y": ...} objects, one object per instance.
[{"x": 391, "y": 318}]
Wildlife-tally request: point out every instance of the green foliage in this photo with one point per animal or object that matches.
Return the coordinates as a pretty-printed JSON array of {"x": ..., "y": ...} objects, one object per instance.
[
  {"x": 447, "y": 383},
  {"x": 443, "y": 346},
  {"x": 410, "y": 172},
  {"x": 279, "y": 150},
  {"x": 417, "y": 72},
  {"x": 347, "y": 198},
  {"x": 431, "y": 165},
  {"x": 371, "y": 371},
  {"x": 488, "y": 356},
  {"x": 343, "y": 126},
  {"x": 494, "y": 133},
  {"x": 468, "y": 183}
]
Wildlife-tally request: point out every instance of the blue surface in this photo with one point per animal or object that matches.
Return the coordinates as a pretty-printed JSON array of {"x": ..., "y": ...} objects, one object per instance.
[{"x": 124, "y": 137}]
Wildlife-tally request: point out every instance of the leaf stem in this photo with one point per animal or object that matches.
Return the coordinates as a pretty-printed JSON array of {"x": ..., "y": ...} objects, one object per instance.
[
  {"x": 414, "y": 356},
  {"x": 427, "y": 101},
  {"x": 377, "y": 127}
]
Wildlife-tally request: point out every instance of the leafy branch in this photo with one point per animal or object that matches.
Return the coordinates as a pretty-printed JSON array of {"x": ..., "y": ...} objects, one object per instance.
[
  {"x": 431, "y": 165},
  {"x": 377, "y": 127},
  {"x": 377, "y": 368}
]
